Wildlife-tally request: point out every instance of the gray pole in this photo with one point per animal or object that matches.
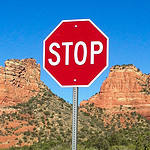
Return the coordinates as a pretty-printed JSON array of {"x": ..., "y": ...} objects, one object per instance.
[{"x": 75, "y": 118}]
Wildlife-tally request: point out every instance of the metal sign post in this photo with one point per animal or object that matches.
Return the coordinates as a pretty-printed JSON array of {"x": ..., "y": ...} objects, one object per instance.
[{"x": 75, "y": 118}]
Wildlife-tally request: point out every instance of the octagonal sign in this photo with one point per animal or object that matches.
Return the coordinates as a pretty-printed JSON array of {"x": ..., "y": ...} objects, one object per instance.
[{"x": 75, "y": 53}]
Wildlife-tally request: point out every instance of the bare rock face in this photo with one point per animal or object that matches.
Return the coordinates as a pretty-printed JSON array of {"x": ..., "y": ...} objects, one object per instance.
[
  {"x": 126, "y": 86},
  {"x": 19, "y": 81}
]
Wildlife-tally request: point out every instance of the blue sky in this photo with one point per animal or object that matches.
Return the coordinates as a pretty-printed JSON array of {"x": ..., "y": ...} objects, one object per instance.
[{"x": 25, "y": 23}]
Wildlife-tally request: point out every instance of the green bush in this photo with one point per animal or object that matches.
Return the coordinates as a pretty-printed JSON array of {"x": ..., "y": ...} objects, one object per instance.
[{"x": 130, "y": 147}]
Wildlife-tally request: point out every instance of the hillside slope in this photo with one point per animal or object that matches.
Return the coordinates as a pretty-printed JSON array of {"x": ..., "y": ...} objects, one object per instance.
[{"x": 48, "y": 118}]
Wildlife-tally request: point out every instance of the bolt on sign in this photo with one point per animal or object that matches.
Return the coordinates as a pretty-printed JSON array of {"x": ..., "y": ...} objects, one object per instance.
[{"x": 75, "y": 53}]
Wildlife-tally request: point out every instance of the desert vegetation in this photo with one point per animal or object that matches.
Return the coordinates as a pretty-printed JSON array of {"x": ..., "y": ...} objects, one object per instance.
[{"x": 44, "y": 123}]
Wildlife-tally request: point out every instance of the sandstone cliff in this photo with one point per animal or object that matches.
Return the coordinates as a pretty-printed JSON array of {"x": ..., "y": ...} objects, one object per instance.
[
  {"x": 127, "y": 86},
  {"x": 19, "y": 81}
]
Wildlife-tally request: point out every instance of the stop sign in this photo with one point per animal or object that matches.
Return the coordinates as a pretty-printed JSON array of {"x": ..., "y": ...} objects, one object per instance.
[{"x": 75, "y": 53}]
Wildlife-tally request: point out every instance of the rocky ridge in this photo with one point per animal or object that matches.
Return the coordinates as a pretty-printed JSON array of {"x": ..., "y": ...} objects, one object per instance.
[
  {"x": 19, "y": 81},
  {"x": 39, "y": 116},
  {"x": 125, "y": 86}
]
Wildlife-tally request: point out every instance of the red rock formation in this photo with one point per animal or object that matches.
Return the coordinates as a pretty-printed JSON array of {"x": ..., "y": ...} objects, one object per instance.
[
  {"x": 124, "y": 86},
  {"x": 19, "y": 81}
]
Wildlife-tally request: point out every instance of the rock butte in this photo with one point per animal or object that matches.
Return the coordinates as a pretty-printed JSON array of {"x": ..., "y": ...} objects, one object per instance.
[
  {"x": 124, "y": 86},
  {"x": 19, "y": 81}
]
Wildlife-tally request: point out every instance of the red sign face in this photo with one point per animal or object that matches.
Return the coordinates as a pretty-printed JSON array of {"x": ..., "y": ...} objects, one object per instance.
[{"x": 75, "y": 53}]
